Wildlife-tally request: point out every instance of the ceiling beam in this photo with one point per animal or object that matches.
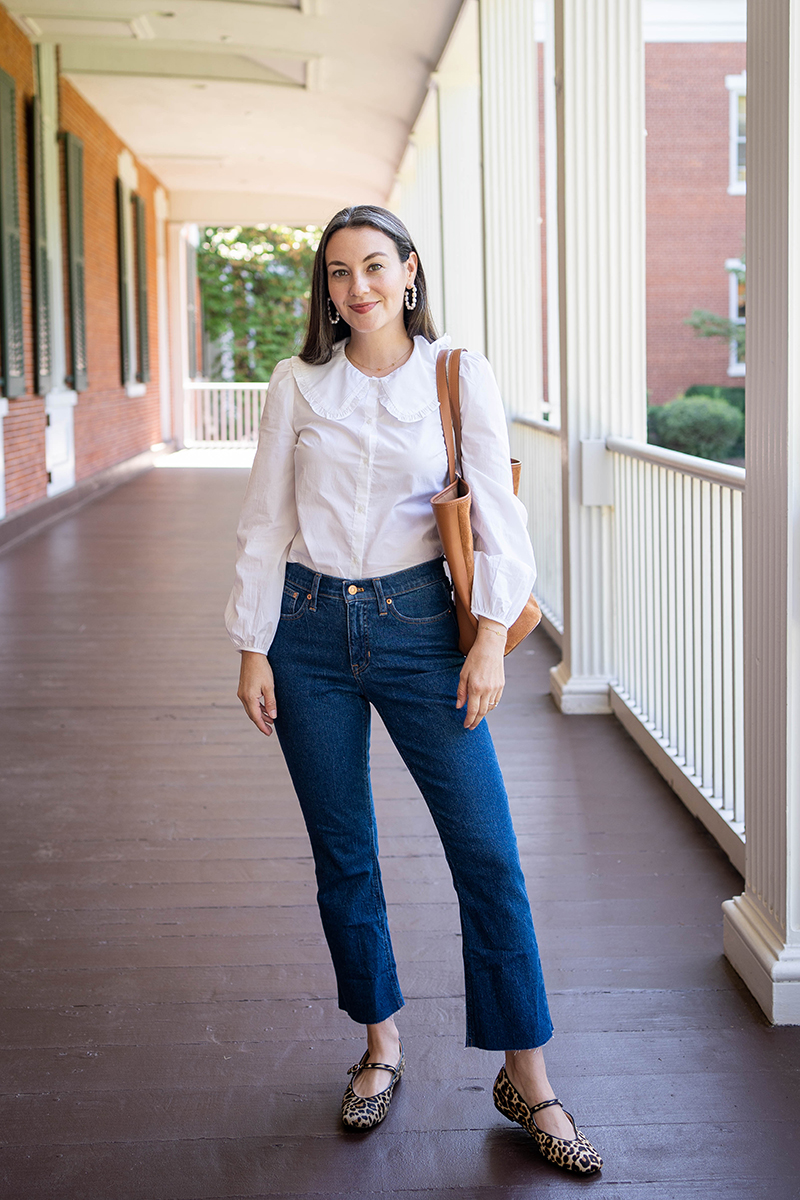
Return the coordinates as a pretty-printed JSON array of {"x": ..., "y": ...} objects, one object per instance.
[{"x": 86, "y": 58}]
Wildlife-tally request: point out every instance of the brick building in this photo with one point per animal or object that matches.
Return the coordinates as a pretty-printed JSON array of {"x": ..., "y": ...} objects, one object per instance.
[
  {"x": 80, "y": 353},
  {"x": 695, "y": 208}
]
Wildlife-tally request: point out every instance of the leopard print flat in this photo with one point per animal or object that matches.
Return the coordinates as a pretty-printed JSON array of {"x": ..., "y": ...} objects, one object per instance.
[
  {"x": 364, "y": 1112},
  {"x": 578, "y": 1154}
]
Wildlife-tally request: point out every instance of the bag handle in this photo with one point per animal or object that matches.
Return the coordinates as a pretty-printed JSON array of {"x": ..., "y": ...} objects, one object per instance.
[{"x": 447, "y": 386}]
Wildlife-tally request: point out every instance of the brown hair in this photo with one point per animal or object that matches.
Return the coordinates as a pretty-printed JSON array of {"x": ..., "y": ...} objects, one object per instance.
[{"x": 321, "y": 336}]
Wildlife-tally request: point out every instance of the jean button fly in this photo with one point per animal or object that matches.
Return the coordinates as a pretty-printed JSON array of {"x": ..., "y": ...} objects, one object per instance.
[{"x": 352, "y": 589}]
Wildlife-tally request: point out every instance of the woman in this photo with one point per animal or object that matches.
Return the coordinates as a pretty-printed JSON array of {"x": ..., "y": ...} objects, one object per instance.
[{"x": 341, "y": 601}]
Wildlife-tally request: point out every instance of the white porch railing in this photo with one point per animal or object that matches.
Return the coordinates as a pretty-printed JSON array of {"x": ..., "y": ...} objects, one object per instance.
[
  {"x": 222, "y": 414},
  {"x": 538, "y": 446},
  {"x": 679, "y": 689}
]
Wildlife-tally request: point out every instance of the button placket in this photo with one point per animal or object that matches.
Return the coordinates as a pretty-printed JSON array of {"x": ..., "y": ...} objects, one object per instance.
[{"x": 367, "y": 439}]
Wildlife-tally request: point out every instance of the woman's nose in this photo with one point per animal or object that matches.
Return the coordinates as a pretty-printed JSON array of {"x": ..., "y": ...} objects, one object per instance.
[{"x": 359, "y": 285}]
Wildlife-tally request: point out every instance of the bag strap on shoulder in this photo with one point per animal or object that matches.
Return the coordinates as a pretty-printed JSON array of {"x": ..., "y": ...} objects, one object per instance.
[{"x": 447, "y": 386}]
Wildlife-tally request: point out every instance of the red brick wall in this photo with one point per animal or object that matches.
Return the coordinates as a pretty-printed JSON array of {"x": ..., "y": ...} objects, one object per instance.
[
  {"x": 23, "y": 428},
  {"x": 693, "y": 225},
  {"x": 109, "y": 425}
]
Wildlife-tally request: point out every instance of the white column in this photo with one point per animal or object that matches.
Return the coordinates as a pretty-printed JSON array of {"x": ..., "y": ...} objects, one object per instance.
[
  {"x": 178, "y": 340},
  {"x": 458, "y": 81},
  {"x": 162, "y": 305},
  {"x": 417, "y": 199},
  {"x": 553, "y": 407},
  {"x": 599, "y": 57},
  {"x": 60, "y": 401},
  {"x": 510, "y": 126},
  {"x": 762, "y": 926}
]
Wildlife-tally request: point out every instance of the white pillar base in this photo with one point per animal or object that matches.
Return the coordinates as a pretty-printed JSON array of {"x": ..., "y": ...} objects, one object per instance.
[
  {"x": 770, "y": 969},
  {"x": 579, "y": 697}
]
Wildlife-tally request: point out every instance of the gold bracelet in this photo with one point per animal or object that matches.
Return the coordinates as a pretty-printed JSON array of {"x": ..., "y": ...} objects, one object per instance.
[{"x": 487, "y": 629}]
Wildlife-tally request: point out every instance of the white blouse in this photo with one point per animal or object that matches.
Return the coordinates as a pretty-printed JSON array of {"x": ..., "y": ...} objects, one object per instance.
[{"x": 343, "y": 477}]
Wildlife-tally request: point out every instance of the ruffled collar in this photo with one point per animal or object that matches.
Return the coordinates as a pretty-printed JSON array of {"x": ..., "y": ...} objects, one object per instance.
[{"x": 333, "y": 389}]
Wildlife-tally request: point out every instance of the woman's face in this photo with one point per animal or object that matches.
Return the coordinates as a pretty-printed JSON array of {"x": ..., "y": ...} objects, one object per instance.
[{"x": 366, "y": 279}]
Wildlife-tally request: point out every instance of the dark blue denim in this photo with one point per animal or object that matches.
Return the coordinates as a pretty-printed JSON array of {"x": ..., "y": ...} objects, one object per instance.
[{"x": 342, "y": 645}]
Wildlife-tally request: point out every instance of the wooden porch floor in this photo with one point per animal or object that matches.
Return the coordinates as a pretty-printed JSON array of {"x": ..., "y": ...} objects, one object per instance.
[{"x": 168, "y": 1023}]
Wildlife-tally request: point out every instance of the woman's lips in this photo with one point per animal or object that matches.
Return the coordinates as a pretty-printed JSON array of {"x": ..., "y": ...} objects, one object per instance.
[{"x": 363, "y": 308}]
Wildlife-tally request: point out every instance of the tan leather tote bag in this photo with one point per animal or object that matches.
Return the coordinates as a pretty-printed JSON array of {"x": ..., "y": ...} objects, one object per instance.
[{"x": 451, "y": 508}]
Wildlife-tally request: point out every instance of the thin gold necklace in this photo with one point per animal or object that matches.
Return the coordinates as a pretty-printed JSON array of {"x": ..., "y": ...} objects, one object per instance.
[{"x": 379, "y": 370}]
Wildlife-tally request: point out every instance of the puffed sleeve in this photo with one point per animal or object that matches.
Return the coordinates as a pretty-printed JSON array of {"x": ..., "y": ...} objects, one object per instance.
[
  {"x": 505, "y": 570},
  {"x": 268, "y": 522}
]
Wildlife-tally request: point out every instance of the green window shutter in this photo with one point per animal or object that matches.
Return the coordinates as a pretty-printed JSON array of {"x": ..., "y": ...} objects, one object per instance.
[
  {"x": 122, "y": 260},
  {"x": 43, "y": 347},
  {"x": 11, "y": 328},
  {"x": 73, "y": 163},
  {"x": 191, "y": 305},
  {"x": 143, "y": 373}
]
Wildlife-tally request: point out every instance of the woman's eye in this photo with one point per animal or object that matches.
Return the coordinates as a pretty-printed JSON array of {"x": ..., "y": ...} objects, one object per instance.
[
  {"x": 339, "y": 272},
  {"x": 377, "y": 266}
]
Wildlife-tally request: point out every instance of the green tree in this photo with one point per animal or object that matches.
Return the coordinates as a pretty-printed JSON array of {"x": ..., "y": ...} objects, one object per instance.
[
  {"x": 708, "y": 324},
  {"x": 254, "y": 284}
]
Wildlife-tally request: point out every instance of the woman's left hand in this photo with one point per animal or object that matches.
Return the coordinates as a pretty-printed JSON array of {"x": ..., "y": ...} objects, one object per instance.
[{"x": 483, "y": 674}]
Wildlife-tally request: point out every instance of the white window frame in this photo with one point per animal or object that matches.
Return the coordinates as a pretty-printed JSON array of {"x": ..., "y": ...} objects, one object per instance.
[
  {"x": 129, "y": 178},
  {"x": 732, "y": 265},
  {"x": 737, "y": 86}
]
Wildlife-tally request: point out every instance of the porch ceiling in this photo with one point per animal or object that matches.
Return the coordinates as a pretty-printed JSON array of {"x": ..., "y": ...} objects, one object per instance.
[{"x": 254, "y": 110}]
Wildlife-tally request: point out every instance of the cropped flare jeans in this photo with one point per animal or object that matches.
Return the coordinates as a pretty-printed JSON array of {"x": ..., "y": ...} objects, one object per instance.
[{"x": 342, "y": 645}]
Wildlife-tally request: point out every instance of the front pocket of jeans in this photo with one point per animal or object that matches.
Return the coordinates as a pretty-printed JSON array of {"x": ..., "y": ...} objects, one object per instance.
[
  {"x": 293, "y": 603},
  {"x": 422, "y": 605}
]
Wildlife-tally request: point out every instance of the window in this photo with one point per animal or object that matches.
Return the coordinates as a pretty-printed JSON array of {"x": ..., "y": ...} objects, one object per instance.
[
  {"x": 73, "y": 167},
  {"x": 737, "y": 133},
  {"x": 43, "y": 350},
  {"x": 736, "y": 311},
  {"x": 132, "y": 261},
  {"x": 11, "y": 336}
]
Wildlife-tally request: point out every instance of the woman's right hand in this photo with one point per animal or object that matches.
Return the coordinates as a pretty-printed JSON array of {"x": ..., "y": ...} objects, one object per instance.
[{"x": 257, "y": 690}]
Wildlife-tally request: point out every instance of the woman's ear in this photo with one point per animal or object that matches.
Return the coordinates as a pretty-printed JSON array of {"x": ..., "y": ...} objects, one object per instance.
[{"x": 411, "y": 267}]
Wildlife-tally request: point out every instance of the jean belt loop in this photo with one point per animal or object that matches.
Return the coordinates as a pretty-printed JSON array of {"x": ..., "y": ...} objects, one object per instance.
[
  {"x": 382, "y": 611},
  {"x": 314, "y": 590}
]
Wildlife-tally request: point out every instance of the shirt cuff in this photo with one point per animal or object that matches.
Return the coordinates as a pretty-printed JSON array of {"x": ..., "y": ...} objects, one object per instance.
[{"x": 501, "y": 587}]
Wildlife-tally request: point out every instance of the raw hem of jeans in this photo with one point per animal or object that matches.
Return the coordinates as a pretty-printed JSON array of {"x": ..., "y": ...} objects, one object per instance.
[
  {"x": 473, "y": 1044},
  {"x": 360, "y": 1020}
]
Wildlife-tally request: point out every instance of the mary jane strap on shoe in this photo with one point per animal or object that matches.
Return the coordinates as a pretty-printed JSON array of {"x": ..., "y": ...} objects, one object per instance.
[
  {"x": 364, "y": 1112},
  {"x": 573, "y": 1154}
]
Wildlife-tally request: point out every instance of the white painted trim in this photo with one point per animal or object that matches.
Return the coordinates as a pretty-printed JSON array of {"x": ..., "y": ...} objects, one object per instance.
[
  {"x": 178, "y": 331},
  {"x": 737, "y": 86},
  {"x": 134, "y": 390},
  {"x": 688, "y": 464},
  {"x": 729, "y": 835},
  {"x": 3, "y": 413},
  {"x": 732, "y": 265},
  {"x": 579, "y": 697},
  {"x": 60, "y": 398},
  {"x": 534, "y": 422},
  {"x": 762, "y": 929},
  {"x": 553, "y": 405},
  {"x": 694, "y": 20},
  {"x": 48, "y": 96},
  {"x": 129, "y": 178},
  {"x": 161, "y": 206},
  {"x": 770, "y": 969}
]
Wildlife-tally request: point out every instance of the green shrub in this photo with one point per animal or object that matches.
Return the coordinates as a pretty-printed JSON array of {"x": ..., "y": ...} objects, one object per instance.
[
  {"x": 733, "y": 395},
  {"x": 697, "y": 425}
]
